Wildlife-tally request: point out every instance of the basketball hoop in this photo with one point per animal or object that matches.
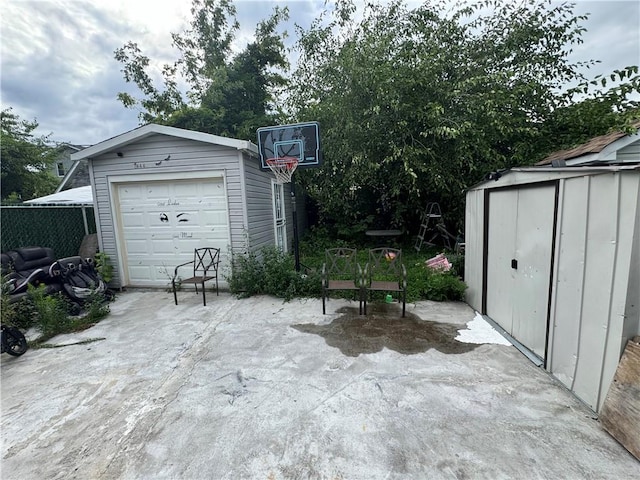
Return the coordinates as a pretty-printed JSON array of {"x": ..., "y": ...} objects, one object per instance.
[{"x": 283, "y": 168}]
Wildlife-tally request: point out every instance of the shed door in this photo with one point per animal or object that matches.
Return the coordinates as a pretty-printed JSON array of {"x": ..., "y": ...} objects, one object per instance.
[
  {"x": 519, "y": 262},
  {"x": 162, "y": 222}
]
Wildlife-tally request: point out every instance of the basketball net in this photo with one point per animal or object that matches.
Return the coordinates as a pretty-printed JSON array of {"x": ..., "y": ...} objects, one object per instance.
[{"x": 283, "y": 168}]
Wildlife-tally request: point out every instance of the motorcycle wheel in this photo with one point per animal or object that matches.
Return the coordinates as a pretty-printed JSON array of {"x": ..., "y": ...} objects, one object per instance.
[{"x": 13, "y": 342}]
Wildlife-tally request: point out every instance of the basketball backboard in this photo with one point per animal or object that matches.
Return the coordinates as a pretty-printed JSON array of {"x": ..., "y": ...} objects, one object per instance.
[{"x": 299, "y": 140}]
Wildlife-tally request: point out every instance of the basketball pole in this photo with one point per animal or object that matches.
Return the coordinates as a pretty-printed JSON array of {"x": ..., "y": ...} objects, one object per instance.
[{"x": 294, "y": 211}]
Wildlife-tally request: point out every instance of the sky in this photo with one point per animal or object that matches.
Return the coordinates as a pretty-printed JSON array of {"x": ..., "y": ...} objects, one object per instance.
[{"x": 57, "y": 64}]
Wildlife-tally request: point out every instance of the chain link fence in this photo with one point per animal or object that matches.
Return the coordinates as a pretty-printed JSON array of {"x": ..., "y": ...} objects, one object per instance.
[{"x": 59, "y": 227}]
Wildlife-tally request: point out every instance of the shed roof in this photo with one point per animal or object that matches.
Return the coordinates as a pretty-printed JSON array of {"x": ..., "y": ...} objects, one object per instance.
[
  {"x": 601, "y": 148},
  {"x": 155, "y": 129},
  {"x": 545, "y": 173}
]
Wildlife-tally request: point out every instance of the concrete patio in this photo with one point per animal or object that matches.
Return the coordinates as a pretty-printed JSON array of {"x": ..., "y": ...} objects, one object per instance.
[{"x": 258, "y": 388}]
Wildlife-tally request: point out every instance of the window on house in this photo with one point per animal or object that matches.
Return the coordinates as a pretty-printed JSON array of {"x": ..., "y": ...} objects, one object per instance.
[{"x": 60, "y": 167}]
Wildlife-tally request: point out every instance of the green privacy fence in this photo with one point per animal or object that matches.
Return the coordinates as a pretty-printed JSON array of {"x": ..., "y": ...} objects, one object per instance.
[{"x": 59, "y": 227}]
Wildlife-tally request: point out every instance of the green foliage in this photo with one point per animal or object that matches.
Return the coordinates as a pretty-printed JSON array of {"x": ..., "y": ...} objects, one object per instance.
[
  {"x": 415, "y": 104},
  {"x": 318, "y": 239},
  {"x": 271, "y": 272},
  {"x": 601, "y": 112},
  {"x": 96, "y": 308},
  {"x": 418, "y": 104},
  {"x": 25, "y": 160},
  {"x": 104, "y": 267},
  {"x": 228, "y": 94},
  {"x": 443, "y": 286},
  {"x": 55, "y": 314},
  {"x": 52, "y": 312},
  {"x": 426, "y": 284},
  {"x": 457, "y": 263},
  {"x": 20, "y": 314},
  {"x": 7, "y": 311}
]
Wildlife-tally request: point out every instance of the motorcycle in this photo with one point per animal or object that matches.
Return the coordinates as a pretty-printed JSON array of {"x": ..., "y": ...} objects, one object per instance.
[{"x": 12, "y": 341}]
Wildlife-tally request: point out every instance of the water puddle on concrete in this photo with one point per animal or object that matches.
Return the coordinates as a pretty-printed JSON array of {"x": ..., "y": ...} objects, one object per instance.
[{"x": 383, "y": 326}]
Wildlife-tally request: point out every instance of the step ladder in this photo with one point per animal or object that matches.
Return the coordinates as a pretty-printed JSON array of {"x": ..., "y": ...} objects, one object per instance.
[{"x": 431, "y": 223}]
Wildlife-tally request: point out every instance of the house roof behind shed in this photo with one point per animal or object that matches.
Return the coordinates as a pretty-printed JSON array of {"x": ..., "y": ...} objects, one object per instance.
[
  {"x": 154, "y": 129},
  {"x": 595, "y": 149}
]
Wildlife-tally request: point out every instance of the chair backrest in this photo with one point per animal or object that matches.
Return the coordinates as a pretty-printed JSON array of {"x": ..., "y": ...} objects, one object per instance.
[
  {"x": 342, "y": 263},
  {"x": 204, "y": 259},
  {"x": 27, "y": 259},
  {"x": 385, "y": 262}
]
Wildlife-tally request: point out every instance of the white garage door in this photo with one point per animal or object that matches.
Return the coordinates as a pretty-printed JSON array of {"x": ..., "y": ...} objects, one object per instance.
[{"x": 162, "y": 222}]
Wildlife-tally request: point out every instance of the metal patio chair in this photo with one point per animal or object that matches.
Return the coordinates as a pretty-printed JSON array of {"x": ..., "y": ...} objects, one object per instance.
[
  {"x": 341, "y": 271},
  {"x": 205, "y": 267},
  {"x": 385, "y": 272}
]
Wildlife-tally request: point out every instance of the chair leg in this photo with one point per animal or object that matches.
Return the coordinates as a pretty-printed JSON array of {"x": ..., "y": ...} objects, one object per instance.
[
  {"x": 217, "y": 293},
  {"x": 365, "y": 301},
  {"x": 204, "y": 298},
  {"x": 404, "y": 302},
  {"x": 324, "y": 310},
  {"x": 175, "y": 295}
]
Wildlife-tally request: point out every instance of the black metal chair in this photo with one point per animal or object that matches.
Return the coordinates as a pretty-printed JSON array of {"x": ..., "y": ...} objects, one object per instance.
[
  {"x": 341, "y": 271},
  {"x": 385, "y": 272},
  {"x": 205, "y": 267}
]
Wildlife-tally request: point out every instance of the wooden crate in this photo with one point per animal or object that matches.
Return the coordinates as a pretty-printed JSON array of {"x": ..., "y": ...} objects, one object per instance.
[{"x": 620, "y": 415}]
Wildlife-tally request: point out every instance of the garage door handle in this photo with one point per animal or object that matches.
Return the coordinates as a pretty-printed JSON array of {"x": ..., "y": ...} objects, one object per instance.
[{"x": 514, "y": 263}]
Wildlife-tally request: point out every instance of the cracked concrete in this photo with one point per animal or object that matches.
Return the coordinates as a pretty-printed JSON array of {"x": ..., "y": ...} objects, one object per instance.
[{"x": 258, "y": 388}]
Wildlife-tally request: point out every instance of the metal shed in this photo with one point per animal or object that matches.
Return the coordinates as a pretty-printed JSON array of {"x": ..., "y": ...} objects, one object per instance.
[
  {"x": 553, "y": 257},
  {"x": 162, "y": 191}
]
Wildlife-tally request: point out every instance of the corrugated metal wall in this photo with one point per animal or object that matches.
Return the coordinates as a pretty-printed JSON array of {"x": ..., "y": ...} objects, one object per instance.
[
  {"x": 595, "y": 288},
  {"x": 598, "y": 216},
  {"x": 473, "y": 246}
]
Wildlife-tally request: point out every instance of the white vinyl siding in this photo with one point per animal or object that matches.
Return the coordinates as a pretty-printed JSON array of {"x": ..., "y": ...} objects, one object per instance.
[
  {"x": 259, "y": 204},
  {"x": 260, "y": 207}
]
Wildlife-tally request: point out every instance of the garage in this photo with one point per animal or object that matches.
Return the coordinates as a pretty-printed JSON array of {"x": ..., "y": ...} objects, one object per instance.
[
  {"x": 160, "y": 192},
  {"x": 162, "y": 222}
]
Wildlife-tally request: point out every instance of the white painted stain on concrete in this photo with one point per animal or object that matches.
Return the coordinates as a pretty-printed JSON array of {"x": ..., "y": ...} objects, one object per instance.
[{"x": 479, "y": 331}]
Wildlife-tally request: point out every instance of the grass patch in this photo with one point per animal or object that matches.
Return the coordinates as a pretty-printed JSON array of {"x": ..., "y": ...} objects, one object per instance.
[{"x": 52, "y": 315}]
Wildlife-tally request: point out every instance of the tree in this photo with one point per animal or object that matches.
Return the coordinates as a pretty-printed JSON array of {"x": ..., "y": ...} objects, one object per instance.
[
  {"x": 595, "y": 113},
  {"x": 417, "y": 105},
  {"x": 26, "y": 159},
  {"x": 228, "y": 94}
]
